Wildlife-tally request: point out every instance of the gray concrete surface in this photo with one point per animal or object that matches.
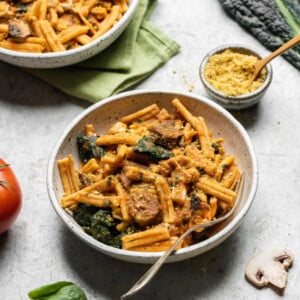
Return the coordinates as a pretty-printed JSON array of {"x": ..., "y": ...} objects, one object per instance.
[{"x": 39, "y": 249}]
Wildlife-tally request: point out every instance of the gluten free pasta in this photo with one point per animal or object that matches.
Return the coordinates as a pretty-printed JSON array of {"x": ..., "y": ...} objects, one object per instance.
[
  {"x": 151, "y": 177},
  {"x": 56, "y": 25}
]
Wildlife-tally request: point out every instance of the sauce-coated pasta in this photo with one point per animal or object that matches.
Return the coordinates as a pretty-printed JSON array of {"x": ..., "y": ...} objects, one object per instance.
[
  {"x": 40, "y": 26},
  {"x": 152, "y": 176}
]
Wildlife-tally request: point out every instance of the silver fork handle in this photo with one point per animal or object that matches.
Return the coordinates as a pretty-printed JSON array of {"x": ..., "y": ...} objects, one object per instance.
[{"x": 147, "y": 276}]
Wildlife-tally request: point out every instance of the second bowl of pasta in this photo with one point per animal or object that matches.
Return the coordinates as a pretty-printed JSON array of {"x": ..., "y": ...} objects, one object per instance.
[
  {"x": 133, "y": 172},
  {"x": 44, "y": 34}
]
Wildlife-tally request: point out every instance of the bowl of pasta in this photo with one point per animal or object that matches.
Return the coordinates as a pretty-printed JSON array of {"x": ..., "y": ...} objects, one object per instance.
[
  {"x": 133, "y": 172},
  {"x": 40, "y": 34}
]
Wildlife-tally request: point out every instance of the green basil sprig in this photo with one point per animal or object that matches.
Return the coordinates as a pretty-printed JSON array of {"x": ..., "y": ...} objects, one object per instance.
[{"x": 62, "y": 290}]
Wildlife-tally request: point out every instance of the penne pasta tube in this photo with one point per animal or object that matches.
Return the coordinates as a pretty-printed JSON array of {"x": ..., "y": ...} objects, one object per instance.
[
  {"x": 50, "y": 36},
  {"x": 83, "y": 39},
  {"x": 214, "y": 191},
  {"x": 123, "y": 201},
  {"x": 231, "y": 177},
  {"x": 124, "y": 5},
  {"x": 100, "y": 12},
  {"x": 87, "y": 23},
  {"x": 119, "y": 138},
  {"x": 116, "y": 159},
  {"x": 53, "y": 17},
  {"x": 222, "y": 166},
  {"x": 67, "y": 173},
  {"x": 158, "y": 246},
  {"x": 43, "y": 9},
  {"x": 149, "y": 110},
  {"x": 38, "y": 32},
  {"x": 138, "y": 174},
  {"x": 4, "y": 28},
  {"x": 122, "y": 226},
  {"x": 71, "y": 33},
  {"x": 145, "y": 237},
  {"x": 36, "y": 40},
  {"x": 104, "y": 185},
  {"x": 179, "y": 192},
  {"x": 164, "y": 193},
  {"x": 90, "y": 130},
  {"x": 194, "y": 121},
  {"x": 89, "y": 167},
  {"x": 34, "y": 11},
  {"x": 213, "y": 202},
  {"x": 95, "y": 200},
  {"x": 108, "y": 22},
  {"x": 24, "y": 47}
]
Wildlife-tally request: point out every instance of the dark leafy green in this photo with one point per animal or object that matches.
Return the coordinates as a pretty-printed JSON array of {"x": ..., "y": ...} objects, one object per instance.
[
  {"x": 88, "y": 148},
  {"x": 61, "y": 290},
  {"x": 290, "y": 9},
  {"x": 272, "y": 22},
  {"x": 100, "y": 224},
  {"x": 155, "y": 152},
  {"x": 84, "y": 213},
  {"x": 21, "y": 7},
  {"x": 195, "y": 202}
]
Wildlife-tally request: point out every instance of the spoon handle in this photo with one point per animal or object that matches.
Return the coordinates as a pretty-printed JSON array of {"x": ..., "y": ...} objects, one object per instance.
[{"x": 291, "y": 43}]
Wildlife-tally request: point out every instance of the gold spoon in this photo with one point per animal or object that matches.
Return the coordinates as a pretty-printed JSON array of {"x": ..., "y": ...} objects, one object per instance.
[
  {"x": 142, "y": 282},
  {"x": 262, "y": 62}
]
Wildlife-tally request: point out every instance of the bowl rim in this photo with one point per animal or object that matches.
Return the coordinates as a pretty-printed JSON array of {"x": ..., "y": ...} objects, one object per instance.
[
  {"x": 67, "y": 53},
  {"x": 134, "y": 256},
  {"x": 239, "y": 98}
]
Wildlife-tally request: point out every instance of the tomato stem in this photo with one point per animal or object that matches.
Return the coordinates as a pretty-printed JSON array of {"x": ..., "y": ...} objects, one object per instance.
[
  {"x": 5, "y": 183},
  {"x": 3, "y": 166}
]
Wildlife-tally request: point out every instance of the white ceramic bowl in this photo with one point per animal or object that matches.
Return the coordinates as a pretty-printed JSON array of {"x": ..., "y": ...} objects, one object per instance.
[
  {"x": 241, "y": 101},
  {"x": 103, "y": 114},
  {"x": 73, "y": 56}
]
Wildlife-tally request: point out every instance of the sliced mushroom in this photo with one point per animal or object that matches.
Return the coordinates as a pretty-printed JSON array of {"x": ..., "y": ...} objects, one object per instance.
[
  {"x": 19, "y": 29},
  {"x": 269, "y": 267}
]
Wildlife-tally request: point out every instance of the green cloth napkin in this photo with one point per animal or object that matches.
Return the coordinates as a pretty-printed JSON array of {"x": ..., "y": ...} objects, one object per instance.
[{"x": 137, "y": 53}]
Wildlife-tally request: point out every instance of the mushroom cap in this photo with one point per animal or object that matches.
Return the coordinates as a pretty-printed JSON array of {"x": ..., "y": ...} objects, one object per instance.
[{"x": 269, "y": 267}]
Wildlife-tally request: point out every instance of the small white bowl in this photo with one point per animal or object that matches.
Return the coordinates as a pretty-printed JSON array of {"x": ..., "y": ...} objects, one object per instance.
[
  {"x": 73, "y": 56},
  {"x": 105, "y": 113},
  {"x": 241, "y": 101}
]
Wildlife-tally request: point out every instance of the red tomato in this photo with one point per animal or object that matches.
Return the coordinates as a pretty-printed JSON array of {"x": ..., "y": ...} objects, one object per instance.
[{"x": 10, "y": 196}]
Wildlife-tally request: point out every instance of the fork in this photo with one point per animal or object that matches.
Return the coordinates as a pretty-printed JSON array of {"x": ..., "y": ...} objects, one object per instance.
[{"x": 148, "y": 275}]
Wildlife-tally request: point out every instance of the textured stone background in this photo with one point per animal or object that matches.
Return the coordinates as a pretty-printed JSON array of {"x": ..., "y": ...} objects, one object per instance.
[{"x": 39, "y": 249}]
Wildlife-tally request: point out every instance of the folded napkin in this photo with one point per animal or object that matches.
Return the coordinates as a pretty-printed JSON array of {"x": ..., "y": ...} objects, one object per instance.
[{"x": 137, "y": 53}]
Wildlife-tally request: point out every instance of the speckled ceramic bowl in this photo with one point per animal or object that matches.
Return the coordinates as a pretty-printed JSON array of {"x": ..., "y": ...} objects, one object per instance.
[
  {"x": 69, "y": 57},
  {"x": 105, "y": 113},
  {"x": 241, "y": 101}
]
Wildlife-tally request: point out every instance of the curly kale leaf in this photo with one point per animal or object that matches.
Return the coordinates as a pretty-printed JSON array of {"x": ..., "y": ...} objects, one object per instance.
[
  {"x": 272, "y": 22},
  {"x": 88, "y": 148},
  {"x": 103, "y": 217},
  {"x": 83, "y": 214},
  {"x": 290, "y": 9},
  {"x": 155, "y": 152},
  {"x": 100, "y": 224}
]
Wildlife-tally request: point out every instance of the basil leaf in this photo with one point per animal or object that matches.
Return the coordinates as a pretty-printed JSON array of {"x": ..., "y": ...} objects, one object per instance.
[{"x": 62, "y": 290}]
